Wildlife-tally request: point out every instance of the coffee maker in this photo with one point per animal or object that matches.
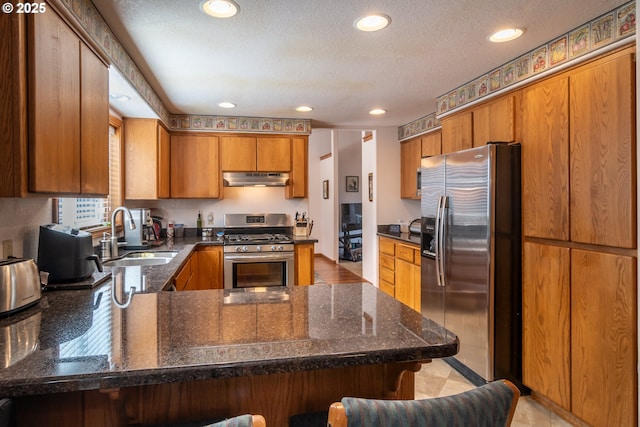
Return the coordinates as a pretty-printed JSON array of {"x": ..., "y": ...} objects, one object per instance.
[{"x": 144, "y": 235}]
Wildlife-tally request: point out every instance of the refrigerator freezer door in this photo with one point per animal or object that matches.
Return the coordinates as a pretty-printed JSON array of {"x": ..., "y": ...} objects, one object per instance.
[{"x": 467, "y": 242}]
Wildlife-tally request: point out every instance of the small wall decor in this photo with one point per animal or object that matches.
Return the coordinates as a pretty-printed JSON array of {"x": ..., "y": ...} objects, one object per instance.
[
  {"x": 371, "y": 187},
  {"x": 353, "y": 184},
  {"x": 325, "y": 189}
]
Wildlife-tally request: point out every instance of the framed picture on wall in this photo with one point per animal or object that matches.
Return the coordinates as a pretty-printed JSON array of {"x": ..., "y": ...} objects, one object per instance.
[
  {"x": 353, "y": 184},
  {"x": 325, "y": 189}
]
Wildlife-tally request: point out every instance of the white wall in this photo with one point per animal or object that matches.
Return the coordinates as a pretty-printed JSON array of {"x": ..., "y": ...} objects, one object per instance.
[
  {"x": 349, "y": 147},
  {"x": 320, "y": 145},
  {"x": 20, "y": 221}
]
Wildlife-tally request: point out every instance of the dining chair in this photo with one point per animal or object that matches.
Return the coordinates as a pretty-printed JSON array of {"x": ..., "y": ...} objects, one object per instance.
[
  {"x": 242, "y": 421},
  {"x": 490, "y": 405}
]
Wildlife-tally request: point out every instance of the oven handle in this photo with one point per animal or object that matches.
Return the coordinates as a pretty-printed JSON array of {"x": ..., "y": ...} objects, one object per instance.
[{"x": 259, "y": 258}]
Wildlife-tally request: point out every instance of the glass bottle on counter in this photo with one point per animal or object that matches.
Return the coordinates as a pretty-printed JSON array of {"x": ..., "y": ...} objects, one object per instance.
[{"x": 199, "y": 224}]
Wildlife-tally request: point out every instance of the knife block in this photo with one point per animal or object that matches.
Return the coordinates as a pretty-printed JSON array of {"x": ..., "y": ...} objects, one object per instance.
[{"x": 301, "y": 228}]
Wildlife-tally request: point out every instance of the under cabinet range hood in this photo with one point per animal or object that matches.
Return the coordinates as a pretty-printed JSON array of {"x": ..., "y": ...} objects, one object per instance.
[{"x": 255, "y": 179}]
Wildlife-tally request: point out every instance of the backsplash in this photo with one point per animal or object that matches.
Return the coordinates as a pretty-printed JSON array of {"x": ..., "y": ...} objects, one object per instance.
[
  {"x": 20, "y": 220},
  {"x": 236, "y": 200}
]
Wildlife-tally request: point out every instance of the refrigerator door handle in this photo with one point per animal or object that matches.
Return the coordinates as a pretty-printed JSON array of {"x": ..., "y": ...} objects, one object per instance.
[
  {"x": 444, "y": 204},
  {"x": 437, "y": 241}
]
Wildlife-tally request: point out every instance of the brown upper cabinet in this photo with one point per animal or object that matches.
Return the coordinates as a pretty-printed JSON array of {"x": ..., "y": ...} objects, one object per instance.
[
  {"x": 457, "y": 132},
  {"x": 545, "y": 159},
  {"x": 411, "y": 152},
  {"x": 195, "y": 166},
  {"x": 147, "y": 159},
  {"x": 261, "y": 154},
  {"x": 602, "y": 153},
  {"x": 297, "y": 186},
  {"x": 57, "y": 119},
  {"x": 494, "y": 121},
  {"x": 578, "y": 155}
]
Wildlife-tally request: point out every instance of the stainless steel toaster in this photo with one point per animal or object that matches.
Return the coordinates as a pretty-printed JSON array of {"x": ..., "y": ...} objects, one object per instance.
[{"x": 19, "y": 284}]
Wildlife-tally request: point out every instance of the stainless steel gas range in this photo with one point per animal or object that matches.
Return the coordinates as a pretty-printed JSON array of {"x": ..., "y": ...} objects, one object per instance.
[{"x": 258, "y": 251}]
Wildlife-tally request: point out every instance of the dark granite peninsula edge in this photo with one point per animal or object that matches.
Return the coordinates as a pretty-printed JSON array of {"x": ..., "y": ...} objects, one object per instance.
[
  {"x": 394, "y": 232},
  {"x": 337, "y": 339}
]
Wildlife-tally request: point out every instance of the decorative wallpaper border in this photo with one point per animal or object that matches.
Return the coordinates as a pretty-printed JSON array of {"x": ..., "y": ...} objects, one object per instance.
[
  {"x": 419, "y": 126},
  {"x": 613, "y": 26},
  {"x": 90, "y": 19},
  {"x": 239, "y": 124}
]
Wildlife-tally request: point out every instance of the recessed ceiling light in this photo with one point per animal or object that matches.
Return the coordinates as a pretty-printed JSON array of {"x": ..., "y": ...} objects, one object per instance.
[
  {"x": 220, "y": 8},
  {"x": 377, "y": 112},
  {"x": 506, "y": 35},
  {"x": 304, "y": 109},
  {"x": 372, "y": 22},
  {"x": 226, "y": 105},
  {"x": 119, "y": 97}
]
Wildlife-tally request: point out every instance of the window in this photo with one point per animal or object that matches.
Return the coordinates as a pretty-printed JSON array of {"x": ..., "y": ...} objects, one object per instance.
[{"x": 94, "y": 213}]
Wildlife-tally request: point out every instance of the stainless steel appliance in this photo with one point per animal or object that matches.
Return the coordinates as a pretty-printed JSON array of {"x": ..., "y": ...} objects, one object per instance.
[
  {"x": 144, "y": 234},
  {"x": 66, "y": 254},
  {"x": 470, "y": 245},
  {"x": 258, "y": 251},
  {"x": 19, "y": 284}
]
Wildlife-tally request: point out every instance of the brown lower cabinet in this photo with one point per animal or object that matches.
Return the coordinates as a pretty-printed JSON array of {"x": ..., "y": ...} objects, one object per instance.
[
  {"x": 304, "y": 259},
  {"x": 203, "y": 270},
  {"x": 579, "y": 331},
  {"x": 399, "y": 271}
]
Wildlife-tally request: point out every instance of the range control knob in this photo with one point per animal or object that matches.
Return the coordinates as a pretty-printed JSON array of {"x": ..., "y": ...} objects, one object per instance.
[
  {"x": 245, "y": 249},
  {"x": 258, "y": 248},
  {"x": 273, "y": 248},
  {"x": 280, "y": 248}
]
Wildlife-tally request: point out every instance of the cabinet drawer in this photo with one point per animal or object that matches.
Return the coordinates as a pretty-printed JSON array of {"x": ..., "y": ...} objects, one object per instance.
[
  {"x": 387, "y": 261},
  {"x": 404, "y": 252},
  {"x": 387, "y": 288},
  {"x": 387, "y": 275},
  {"x": 416, "y": 257},
  {"x": 387, "y": 246}
]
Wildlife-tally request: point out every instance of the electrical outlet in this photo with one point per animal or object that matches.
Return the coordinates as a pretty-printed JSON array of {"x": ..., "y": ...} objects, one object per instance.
[
  {"x": 210, "y": 218},
  {"x": 7, "y": 248}
]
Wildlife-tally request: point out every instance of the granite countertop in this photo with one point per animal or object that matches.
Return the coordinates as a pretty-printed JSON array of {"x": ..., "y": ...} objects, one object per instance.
[
  {"x": 395, "y": 233},
  {"x": 92, "y": 339}
]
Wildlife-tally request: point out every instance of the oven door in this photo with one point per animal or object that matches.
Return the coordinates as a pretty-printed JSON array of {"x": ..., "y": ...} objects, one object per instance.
[{"x": 258, "y": 270}]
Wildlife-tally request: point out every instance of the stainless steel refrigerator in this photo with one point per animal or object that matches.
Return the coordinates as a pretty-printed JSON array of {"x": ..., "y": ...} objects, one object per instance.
[{"x": 471, "y": 256}]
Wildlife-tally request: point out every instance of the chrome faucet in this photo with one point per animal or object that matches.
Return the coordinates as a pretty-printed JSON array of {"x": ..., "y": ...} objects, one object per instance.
[{"x": 114, "y": 237}]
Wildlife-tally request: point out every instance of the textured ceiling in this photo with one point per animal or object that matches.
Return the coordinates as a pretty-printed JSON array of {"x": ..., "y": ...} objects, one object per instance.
[{"x": 278, "y": 54}]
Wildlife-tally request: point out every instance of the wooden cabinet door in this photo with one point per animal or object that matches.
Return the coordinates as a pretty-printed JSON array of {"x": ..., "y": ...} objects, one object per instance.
[
  {"x": 494, "y": 121},
  {"x": 304, "y": 259},
  {"x": 54, "y": 105},
  {"x": 410, "y": 155},
  {"x": 546, "y": 322},
  {"x": 273, "y": 154},
  {"x": 404, "y": 282},
  {"x": 195, "y": 171},
  {"x": 182, "y": 278},
  {"x": 431, "y": 144},
  {"x": 164, "y": 163},
  {"x": 457, "y": 132},
  {"x": 210, "y": 266},
  {"x": 237, "y": 154},
  {"x": 603, "y": 162},
  {"x": 297, "y": 186},
  {"x": 604, "y": 338},
  {"x": 142, "y": 147},
  {"x": 545, "y": 159},
  {"x": 94, "y": 124}
]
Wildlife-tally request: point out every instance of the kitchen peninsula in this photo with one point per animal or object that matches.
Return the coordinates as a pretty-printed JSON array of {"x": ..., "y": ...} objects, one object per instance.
[{"x": 178, "y": 356}]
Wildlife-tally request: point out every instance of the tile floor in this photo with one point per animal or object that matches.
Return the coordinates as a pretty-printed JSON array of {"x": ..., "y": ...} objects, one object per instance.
[{"x": 439, "y": 379}]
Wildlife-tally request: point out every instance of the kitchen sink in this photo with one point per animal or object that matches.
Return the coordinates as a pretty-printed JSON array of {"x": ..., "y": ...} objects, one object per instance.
[{"x": 142, "y": 258}]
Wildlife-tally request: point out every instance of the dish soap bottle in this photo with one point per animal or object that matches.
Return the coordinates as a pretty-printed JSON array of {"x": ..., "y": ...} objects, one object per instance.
[{"x": 199, "y": 224}]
